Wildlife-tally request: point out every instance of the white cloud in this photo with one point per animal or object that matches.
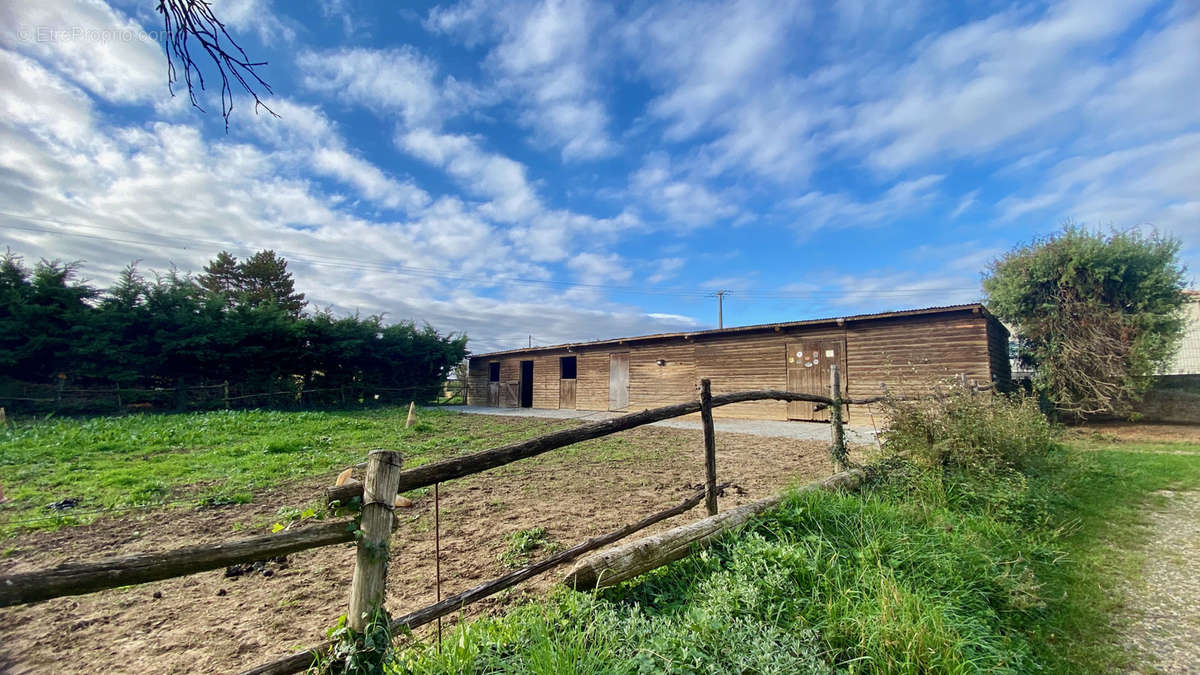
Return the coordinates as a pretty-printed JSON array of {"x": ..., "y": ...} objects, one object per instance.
[
  {"x": 665, "y": 268},
  {"x": 547, "y": 60},
  {"x": 368, "y": 179},
  {"x": 37, "y": 100},
  {"x": 991, "y": 81},
  {"x": 494, "y": 176},
  {"x": 815, "y": 210},
  {"x": 93, "y": 45},
  {"x": 594, "y": 268},
  {"x": 683, "y": 200},
  {"x": 385, "y": 80},
  {"x": 731, "y": 85}
]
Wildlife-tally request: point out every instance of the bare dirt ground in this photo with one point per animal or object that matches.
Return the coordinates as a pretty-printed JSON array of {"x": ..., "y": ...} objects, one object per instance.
[
  {"x": 1165, "y": 604},
  {"x": 1139, "y": 432},
  {"x": 209, "y": 623}
]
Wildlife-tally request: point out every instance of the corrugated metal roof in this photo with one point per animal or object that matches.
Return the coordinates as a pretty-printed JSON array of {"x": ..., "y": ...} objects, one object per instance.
[{"x": 975, "y": 306}]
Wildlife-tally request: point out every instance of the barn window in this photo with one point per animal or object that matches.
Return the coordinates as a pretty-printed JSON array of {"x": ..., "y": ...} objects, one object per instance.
[
  {"x": 567, "y": 367},
  {"x": 494, "y": 372}
]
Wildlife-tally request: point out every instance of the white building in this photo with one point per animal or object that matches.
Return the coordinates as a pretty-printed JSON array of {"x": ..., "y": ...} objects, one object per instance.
[{"x": 1187, "y": 360}]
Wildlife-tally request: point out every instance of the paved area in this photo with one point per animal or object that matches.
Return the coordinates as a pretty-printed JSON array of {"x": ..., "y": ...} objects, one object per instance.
[
  {"x": 1166, "y": 626},
  {"x": 810, "y": 431}
]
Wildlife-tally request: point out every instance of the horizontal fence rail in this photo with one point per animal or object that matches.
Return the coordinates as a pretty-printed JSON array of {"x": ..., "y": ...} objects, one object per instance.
[{"x": 139, "y": 568}]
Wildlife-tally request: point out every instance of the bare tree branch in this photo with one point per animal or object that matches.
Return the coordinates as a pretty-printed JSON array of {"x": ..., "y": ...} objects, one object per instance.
[{"x": 190, "y": 22}]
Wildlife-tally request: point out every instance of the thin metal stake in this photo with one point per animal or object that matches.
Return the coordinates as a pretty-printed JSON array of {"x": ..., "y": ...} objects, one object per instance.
[
  {"x": 872, "y": 414},
  {"x": 437, "y": 554}
]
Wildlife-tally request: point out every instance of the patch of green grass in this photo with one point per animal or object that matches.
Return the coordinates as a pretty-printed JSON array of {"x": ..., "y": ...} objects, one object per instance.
[
  {"x": 211, "y": 459},
  {"x": 520, "y": 544},
  {"x": 1103, "y": 502},
  {"x": 925, "y": 571}
]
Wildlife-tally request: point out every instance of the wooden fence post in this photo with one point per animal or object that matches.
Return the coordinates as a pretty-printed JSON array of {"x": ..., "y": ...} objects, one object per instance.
[
  {"x": 371, "y": 561},
  {"x": 117, "y": 391},
  {"x": 710, "y": 447},
  {"x": 412, "y": 414},
  {"x": 225, "y": 393},
  {"x": 840, "y": 460}
]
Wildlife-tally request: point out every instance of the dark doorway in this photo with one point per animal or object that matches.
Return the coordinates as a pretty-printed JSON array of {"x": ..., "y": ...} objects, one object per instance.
[{"x": 527, "y": 384}]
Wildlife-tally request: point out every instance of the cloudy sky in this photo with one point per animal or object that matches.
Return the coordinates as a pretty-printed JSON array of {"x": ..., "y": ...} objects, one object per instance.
[{"x": 573, "y": 171}]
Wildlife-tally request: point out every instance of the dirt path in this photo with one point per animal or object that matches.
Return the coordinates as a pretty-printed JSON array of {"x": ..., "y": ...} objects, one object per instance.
[
  {"x": 1165, "y": 631},
  {"x": 208, "y": 623}
]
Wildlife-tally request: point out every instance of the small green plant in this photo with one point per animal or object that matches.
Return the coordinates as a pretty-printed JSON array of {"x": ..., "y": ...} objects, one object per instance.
[
  {"x": 519, "y": 544},
  {"x": 288, "y": 515},
  {"x": 355, "y": 653}
]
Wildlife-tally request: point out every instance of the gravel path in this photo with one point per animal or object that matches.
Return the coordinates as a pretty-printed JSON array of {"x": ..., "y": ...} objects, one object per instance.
[
  {"x": 809, "y": 431},
  {"x": 1166, "y": 626}
]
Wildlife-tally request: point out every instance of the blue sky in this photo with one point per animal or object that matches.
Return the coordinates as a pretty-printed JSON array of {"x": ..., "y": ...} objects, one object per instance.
[{"x": 572, "y": 171}]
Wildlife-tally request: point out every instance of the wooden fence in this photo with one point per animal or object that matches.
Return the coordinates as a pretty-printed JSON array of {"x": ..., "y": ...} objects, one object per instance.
[{"x": 385, "y": 478}]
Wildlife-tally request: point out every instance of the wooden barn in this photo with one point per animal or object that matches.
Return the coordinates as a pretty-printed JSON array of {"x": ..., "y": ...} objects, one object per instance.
[{"x": 908, "y": 351}]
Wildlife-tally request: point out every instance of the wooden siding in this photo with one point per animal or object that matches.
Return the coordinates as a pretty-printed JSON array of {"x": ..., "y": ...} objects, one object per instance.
[
  {"x": 652, "y": 385},
  {"x": 740, "y": 363},
  {"x": 998, "y": 350},
  {"x": 909, "y": 354},
  {"x": 591, "y": 381}
]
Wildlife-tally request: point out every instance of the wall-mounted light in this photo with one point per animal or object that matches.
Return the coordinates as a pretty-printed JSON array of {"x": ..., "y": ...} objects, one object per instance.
[{"x": 661, "y": 362}]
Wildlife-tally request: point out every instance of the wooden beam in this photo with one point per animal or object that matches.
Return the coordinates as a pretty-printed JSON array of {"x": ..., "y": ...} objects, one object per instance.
[
  {"x": 634, "y": 558},
  {"x": 139, "y": 568},
  {"x": 302, "y": 661},
  {"x": 458, "y": 467}
]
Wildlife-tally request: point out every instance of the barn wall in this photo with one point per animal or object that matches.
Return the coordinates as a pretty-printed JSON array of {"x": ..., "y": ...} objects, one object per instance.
[
  {"x": 911, "y": 355},
  {"x": 652, "y": 385},
  {"x": 741, "y": 363},
  {"x": 477, "y": 381},
  {"x": 908, "y": 354}
]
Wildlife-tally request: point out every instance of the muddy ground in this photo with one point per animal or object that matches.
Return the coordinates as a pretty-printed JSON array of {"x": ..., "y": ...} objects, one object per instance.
[{"x": 210, "y": 623}]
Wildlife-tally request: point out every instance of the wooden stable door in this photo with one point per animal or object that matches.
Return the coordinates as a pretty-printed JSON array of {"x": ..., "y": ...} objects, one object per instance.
[
  {"x": 493, "y": 399},
  {"x": 510, "y": 396},
  {"x": 618, "y": 381},
  {"x": 808, "y": 372},
  {"x": 566, "y": 394}
]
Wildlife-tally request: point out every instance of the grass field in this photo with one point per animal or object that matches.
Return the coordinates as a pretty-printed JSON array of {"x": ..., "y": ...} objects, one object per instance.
[
  {"x": 1021, "y": 572},
  {"x": 210, "y": 458}
]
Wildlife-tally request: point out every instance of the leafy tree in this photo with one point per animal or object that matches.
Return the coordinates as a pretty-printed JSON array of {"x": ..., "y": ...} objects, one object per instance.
[
  {"x": 42, "y": 313},
  {"x": 264, "y": 279},
  {"x": 1095, "y": 314},
  {"x": 222, "y": 278},
  {"x": 117, "y": 338}
]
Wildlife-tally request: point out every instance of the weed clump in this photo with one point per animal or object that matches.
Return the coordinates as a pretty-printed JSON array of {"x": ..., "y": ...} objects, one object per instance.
[
  {"x": 965, "y": 430},
  {"x": 520, "y": 544}
]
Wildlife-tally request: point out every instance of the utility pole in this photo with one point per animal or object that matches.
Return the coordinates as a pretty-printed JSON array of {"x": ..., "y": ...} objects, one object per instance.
[
  {"x": 721, "y": 308},
  {"x": 530, "y": 341}
]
